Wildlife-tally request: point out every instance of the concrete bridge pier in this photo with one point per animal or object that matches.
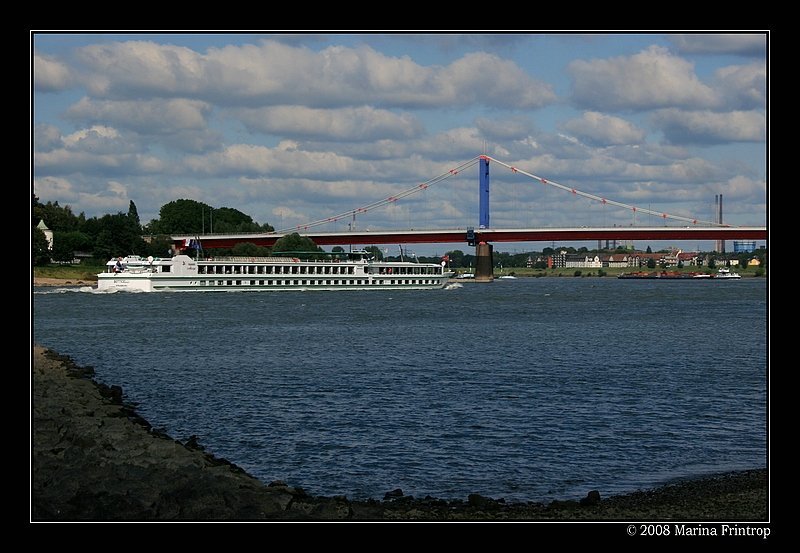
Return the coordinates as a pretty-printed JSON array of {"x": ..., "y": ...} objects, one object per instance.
[{"x": 484, "y": 263}]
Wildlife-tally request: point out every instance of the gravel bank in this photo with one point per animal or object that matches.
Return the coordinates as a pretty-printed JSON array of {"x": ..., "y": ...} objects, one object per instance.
[{"x": 94, "y": 458}]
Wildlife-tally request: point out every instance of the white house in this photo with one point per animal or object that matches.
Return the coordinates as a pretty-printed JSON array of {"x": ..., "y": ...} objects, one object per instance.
[{"x": 48, "y": 234}]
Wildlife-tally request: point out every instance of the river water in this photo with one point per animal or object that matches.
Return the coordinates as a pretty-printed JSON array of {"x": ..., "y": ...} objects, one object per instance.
[{"x": 527, "y": 389}]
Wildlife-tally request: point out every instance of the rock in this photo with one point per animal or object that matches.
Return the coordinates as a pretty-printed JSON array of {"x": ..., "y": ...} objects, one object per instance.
[
  {"x": 559, "y": 505},
  {"x": 394, "y": 494},
  {"x": 592, "y": 498},
  {"x": 278, "y": 483},
  {"x": 193, "y": 443},
  {"x": 481, "y": 502}
]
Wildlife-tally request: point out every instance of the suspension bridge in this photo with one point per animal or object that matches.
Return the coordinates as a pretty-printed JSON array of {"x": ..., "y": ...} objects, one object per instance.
[{"x": 482, "y": 236}]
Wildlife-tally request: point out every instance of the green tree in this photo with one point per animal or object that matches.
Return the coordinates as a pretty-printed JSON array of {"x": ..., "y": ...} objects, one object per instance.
[
  {"x": 649, "y": 250},
  {"x": 295, "y": 243},
  {"x": 651, "y": 263},
  {"x": 227, "y": 219},
  {"x": 456, "y": 258},
  {"x": 712, "y": 263},
  {"x": 56, "y": 217},
  {"x": 375, "y": 251},
  {"x": 337, "y": 249},
  {"x": 159, "y": 246},
  {"x": 117, "y": 235},
  {"x": 248, "y": 249},
  {"x": 40, "y": 255},
  {"x": 133, "y": 213},
  {"x": 181, "y": 217},
  {"x": 65, "y": 244}
]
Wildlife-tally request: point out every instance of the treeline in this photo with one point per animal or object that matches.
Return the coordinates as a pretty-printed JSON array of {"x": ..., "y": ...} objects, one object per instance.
[{"x": 122, "y": 233}]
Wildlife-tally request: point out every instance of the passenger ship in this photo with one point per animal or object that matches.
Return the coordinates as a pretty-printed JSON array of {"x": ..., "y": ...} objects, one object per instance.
[{"x": 357, "y": 270}]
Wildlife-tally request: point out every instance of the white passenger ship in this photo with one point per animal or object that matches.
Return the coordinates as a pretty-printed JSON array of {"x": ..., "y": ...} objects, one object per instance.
[{"x": 357, "y": 270}]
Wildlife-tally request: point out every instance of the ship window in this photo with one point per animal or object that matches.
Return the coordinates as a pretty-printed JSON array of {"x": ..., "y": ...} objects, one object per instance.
[
  {"x": 294, "y": 270},
  {"x": 252, "y": 283},
  {"x": 165, "y": 268},
  {"x": 261, "y": 283},
  {"x": 302, "y": 270}
]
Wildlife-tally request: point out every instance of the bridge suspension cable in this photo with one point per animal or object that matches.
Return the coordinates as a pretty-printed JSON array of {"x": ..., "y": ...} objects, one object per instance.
[
  {"x": 604, "y": 201},
  {"x": 388, "y": 200},
  {"x": 466, "y": 165}
]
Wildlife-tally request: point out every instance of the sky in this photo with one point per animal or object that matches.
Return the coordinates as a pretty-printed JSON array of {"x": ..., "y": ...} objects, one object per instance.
[{"x": 294, "y": 128}]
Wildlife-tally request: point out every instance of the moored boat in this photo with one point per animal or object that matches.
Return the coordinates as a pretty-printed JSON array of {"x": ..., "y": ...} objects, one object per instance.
[
  {"x": 356, "y": 270},
  {"x": 724, "y": 272}
]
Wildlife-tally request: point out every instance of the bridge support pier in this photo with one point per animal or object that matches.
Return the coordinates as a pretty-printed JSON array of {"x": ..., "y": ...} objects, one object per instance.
[{"x": 484, "y": 263}]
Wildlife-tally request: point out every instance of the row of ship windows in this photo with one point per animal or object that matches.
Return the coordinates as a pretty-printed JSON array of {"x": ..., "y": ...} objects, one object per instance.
[
  {"x": 317, "y": 282},
  {"x": 277, "y": 270},
  {"x": 305, "y": 270}
]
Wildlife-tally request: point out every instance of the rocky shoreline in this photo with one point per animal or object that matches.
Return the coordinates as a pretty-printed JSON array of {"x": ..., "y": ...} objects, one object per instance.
[{"x": 94, "y": 458}]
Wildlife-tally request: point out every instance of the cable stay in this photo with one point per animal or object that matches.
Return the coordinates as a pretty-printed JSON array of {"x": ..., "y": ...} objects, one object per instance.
[{"x": 466, "y": 165}]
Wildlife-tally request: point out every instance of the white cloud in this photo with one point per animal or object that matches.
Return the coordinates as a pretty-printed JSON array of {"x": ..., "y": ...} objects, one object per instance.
[
  {"x": 275, "y": 73},
  {"x": 50, "y": 75},
  {"x": 743, "y": 44},
  {"x": 155, "y": 116},
  {"x": 743, "y": 86},
  {"x": 653, "y": 78},
  {"x": 103, "y": 196},
  {"x": 503, "y": 130},
  {"x": 363, "y": 123},
  {"x": 710, "y": 127},
  {"x": 46, "y": 137},
  {"x": 604, "y": 130}
]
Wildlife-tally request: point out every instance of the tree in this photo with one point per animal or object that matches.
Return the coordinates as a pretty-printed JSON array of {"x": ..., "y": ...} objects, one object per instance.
[
  {"x": 248, "y": 249},
  {"x": 680, "y": 264},
  {"x": 65, "y": 244},
  {"x": 712, "y": 263},
  {"x": 375, "y": 251},
  {"x": 651, "y": 263},
  {"x": 180, "y": 217},
  {"x": 649, "y": 249},
  {"x": 133, "y": 213},
  {"x": 40, "y": 255},
  {"x": 56, "y": 217},
  {"x": 337, "y": 249},
  {"x": 159, "y": 246},
  {"x": 456, "y": 258},
  {"x": 117, "y": 235},
  {"x": 295, "y": 243}
]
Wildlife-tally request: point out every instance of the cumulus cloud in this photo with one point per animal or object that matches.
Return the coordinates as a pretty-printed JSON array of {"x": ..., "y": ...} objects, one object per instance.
[
  {"x": 157, "y": 116},
  {"x": 743, "y": 86},
  {"x": 363, "y": 123},
  {"x": 105, "y": 196},
  {"x": 50, "y": 75},
  {"x": 46, "y": 137},
  {"x": 653, "y": 78},
  {"x": 742, "y": 44},
  {"x": 503, "y": 130},
  {"x": 275, "y": 73},
  {"x": 604, "y": 130},
  {"x": 710, "y": 127}
]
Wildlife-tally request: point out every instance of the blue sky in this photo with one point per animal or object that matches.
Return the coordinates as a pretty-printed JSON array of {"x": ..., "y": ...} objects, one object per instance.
[{"x": 295, "y": 128}]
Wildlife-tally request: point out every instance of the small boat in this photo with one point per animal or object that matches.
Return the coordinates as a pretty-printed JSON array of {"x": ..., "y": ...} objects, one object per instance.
[
  {"x": 507, "y": 277},
  {"x": 724, "y": 272}
]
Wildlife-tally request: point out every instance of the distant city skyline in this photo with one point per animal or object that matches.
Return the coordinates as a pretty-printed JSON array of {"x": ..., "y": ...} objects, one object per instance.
[{"x": 295, "y": 128}]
